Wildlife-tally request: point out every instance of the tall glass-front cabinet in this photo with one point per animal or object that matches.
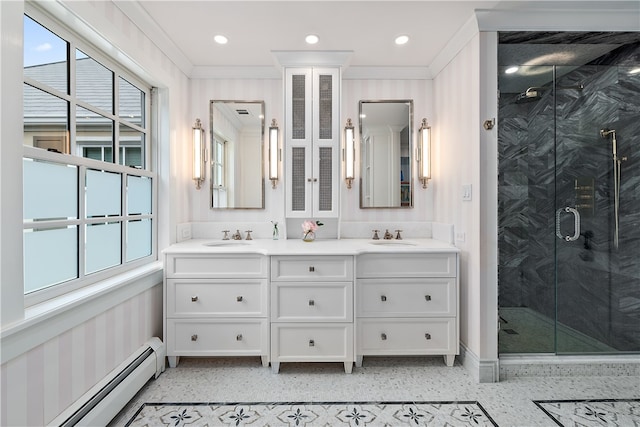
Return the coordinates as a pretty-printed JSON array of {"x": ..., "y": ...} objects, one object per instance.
[{"x": 312, "y": 142}]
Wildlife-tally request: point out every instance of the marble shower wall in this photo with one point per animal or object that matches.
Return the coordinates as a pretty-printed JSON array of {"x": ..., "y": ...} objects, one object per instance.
[{"x": 545, "y": 148}]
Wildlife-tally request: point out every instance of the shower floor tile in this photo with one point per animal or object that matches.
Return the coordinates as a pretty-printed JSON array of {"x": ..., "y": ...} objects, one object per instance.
[{"x": 523, "y": 330}]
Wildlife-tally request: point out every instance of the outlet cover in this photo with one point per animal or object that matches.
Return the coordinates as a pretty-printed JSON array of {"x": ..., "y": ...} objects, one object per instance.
[{"x": 460, "y": 236}]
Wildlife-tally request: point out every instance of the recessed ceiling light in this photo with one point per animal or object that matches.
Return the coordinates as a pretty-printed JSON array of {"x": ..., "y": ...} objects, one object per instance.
[
  {"x": 312, "y": 39},
  {"x": 402, "y": 39},
  {"x": 220, "y": 39},
  {"x": 511, "y": 70}
]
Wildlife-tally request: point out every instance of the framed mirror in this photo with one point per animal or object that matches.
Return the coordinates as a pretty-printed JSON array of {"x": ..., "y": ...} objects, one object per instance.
[
  {"x": 237, "y": 154},
  {"x": 386, "y": 132}
]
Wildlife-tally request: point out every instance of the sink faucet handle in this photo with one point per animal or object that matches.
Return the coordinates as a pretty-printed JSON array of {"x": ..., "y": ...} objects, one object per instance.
[
  {"x": 249, "y": 235},
  {"x": 398, "y": 236},
  {"x": 226, "y": 235},
  {"x": 375, "y": 235}
]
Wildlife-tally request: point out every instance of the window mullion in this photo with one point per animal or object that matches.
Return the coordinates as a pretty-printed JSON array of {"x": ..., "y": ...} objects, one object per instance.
[
  {"x": 116, "y": 116},
  {"x": 82, "y": 216},
  {"x": 72, "y": 103},
  {"x": 125, "y": 217}
]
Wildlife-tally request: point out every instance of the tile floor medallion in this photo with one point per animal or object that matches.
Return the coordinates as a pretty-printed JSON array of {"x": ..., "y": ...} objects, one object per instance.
[
  {"x": 587, "y": 413},
  {"x": 300, "y": 414}
]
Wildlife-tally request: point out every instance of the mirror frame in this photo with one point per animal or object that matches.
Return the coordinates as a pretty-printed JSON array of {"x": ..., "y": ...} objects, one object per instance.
[
  {"x": 262, "y": 151},
  {"x": 411, "y": 151}
]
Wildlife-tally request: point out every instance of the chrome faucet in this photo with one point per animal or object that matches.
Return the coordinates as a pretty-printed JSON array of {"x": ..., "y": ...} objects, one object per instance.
[
  {"x": 387, "y": 235},
  {"x": 248, "y": 235},
  {"x": 398, "y": 236},
  {"x": 226, "y": 235},
  {"x": 375, "y": 235},
  {"x": 236, "y": 235}
]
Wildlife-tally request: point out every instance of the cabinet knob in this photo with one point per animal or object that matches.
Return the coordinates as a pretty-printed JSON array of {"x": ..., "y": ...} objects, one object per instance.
[
  {"x": 312, "y": 268},
  {"x": 239, "y": 298},
  {"x": 383, "y": 297},
  {"x": 427, "y": 336},
  {"x": 383, "y": 337},
  {"x": 427, "y": 297},
  {"x": 194, "y": 337},
  {"x": 312, "y": 343},
  {"x": 239, "y": 337},
  {"x": 194, "y": 298},
  {"x": 312, "y": 303}
]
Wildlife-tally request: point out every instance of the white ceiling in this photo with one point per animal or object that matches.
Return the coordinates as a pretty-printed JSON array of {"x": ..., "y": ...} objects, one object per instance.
[
  {"x": 260, "y": 32},
  {"x": 365, "y": 29}
]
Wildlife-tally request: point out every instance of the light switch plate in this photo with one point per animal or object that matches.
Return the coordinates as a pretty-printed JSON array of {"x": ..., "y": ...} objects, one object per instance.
[{"x": 466, "y": 192}]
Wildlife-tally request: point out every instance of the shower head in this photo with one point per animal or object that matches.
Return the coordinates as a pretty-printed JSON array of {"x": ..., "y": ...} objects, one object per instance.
[
  {"x": 606, "y": 132},
  {"x": 531, "y": 94}
]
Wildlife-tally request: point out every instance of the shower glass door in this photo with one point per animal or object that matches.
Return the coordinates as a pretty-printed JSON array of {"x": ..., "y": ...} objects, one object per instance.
[
  {"x": 597, "y": 209},
  {"x": 569, "y": 211}
]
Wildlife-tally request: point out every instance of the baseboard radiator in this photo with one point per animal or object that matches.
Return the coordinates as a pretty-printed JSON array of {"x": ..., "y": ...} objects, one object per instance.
[{"x": 101, "y": 403}]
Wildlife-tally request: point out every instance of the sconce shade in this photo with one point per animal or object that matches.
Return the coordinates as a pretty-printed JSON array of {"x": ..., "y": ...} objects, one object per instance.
[
  {"x": 198, "y": 154},
  {"x": 349, "y": 153},
  {"x": 273, "y": 152},
  {"x": 424, "y": 153}
]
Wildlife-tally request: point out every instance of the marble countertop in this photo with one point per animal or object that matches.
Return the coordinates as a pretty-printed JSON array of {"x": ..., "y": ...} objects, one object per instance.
[{"x": 317, "y": 247}]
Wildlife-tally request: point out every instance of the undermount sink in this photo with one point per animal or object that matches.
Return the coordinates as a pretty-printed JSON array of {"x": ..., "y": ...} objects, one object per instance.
[
  {"x": 392, "y": 243},
  {"x": 226, "y": 243}
]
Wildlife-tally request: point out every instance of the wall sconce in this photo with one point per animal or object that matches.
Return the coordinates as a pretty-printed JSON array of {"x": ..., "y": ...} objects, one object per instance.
[
  {"x": 424, "y": 153},
  {"x": 198, "y": 154},
  {"x": 349, "y": 153},
  {"x": 273, "y": 152}
]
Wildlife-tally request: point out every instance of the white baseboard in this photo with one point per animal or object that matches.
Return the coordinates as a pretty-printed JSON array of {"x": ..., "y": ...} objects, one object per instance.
[{"x": 484, "y": 371}]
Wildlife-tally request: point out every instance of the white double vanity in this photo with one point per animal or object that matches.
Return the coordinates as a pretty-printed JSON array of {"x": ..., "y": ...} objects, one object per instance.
[{"x": 334, "y": 300}]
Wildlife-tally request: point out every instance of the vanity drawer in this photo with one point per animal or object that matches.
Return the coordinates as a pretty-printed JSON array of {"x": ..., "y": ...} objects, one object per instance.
[
  {"x": 407, "y": 265},
  {"x": 410, "y": 337},
  {"x": 216, "y": 266},
  {"x": 324, "y": 268},
  {"x": 312, "y": 301},
  {"x": 311, "y": 342},
  {"x": 237, "y": 337},
  {"x": 406, "y": 297},
  {"x": 216, "y": 297}
]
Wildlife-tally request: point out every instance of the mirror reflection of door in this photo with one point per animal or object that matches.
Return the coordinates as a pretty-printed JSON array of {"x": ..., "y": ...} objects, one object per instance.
[
  {"x": 385, "y": 144},
  {"x": 237, "y": 134}
]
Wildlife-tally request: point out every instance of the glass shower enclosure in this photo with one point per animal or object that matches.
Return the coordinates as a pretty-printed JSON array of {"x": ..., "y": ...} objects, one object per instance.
[{"x": 569, "y": 204}]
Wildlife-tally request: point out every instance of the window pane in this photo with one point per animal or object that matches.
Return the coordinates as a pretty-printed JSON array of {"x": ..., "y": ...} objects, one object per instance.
[
  {"x": 102, "y": 246},
  {"x": 50, "y": 191},
  {"x": 94, "y": 130},
  {"x": 131, "y": 103},
  {"x": 94, "y": 82},
  {"x": 138, "y": 239},
  {"x": 138, "y": 195},
  {"x": 131, "y": 145},
  {"x": 103, "y": 193},
  {"x": 45, "y": 120},
  {"x": 50, "y": 257},
  {"x": 45, "y": 56}
]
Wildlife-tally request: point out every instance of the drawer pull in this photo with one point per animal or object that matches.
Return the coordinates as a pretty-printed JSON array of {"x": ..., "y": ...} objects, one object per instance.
[
  {"x": 239, "y": 337},
  {"x": 312, "y": 343},
  {"x": 427, "y": 297},
  {"x": 239, "y": 299},
  {"x": 427, "y": 336},
  {"x": 194, "y": 298},
  {"x": 194, "y": 337},
  {"x": 383, "y": 337},
  {"x": 312, "y": 303},
  {"x": 312, "y": 268},
  {"x": 383, "y": 297}
]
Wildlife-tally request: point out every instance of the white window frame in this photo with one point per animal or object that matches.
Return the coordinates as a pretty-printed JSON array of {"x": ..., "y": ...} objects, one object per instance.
[{"x": 77, "y": 42}]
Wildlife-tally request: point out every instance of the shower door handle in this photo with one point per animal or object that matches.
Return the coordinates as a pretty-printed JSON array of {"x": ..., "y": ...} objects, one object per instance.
[{"x": 576, "y": 224}]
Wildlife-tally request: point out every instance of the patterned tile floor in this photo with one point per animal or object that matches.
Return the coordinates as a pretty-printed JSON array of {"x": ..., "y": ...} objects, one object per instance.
[{"x": 418, "y": 379}]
